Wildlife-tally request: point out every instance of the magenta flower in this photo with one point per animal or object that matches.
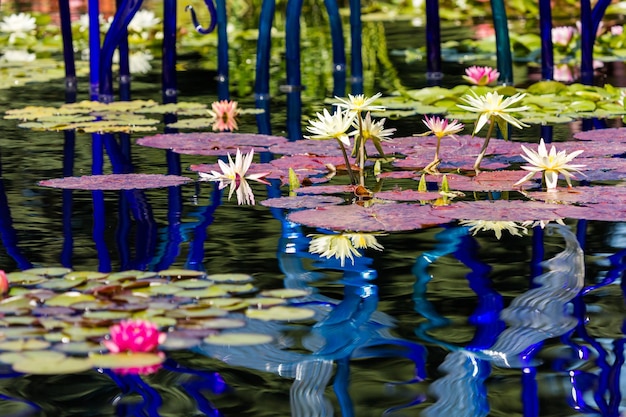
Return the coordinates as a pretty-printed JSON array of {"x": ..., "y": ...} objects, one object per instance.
[
  {"x": 4, "y": 283},
  {"x": 480, "y": 75},
  {"x": 134, "y": 336}
]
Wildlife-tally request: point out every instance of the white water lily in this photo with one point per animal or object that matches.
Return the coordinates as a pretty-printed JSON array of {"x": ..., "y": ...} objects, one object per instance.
[
  {"x": 358, "y": 103},
  {"x": 143, "y": 20},
  {"x": 551, "y": 163},
  {"x": 493, "y": 106},
  {"x": 497, "y": 226},
  {"x": 329, "y": 126},
  {"x": 17, "y": 26},
  {"x": 234, "y": 175},
  {"x": 343, "y": 245},
  {"x": 17, "y": 56}
]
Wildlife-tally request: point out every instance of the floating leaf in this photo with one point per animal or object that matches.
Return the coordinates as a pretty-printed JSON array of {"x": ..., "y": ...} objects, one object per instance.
[
  {"x": 238, "y": 339},
  {"x": 116, "y": 182},
  {"x": 50, "y": 272},
  {"x": 281, "y": 313},
  {"x": 42, "y": 365},
  {"x": 24, "y": 344},
  {"x": 285, "y": 293},
  {"x": 125, "y": 360},
  {"x": 68, "y": 298}
]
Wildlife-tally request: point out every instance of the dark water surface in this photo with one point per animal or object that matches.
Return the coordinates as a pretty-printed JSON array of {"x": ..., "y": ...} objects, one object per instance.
[{"x": 417, "y": 329}]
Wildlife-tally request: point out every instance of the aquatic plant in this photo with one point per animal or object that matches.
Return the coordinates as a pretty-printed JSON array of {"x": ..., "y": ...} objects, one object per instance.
[
  {"x": 343, "y": 245},
  {"x": 224, "y": 113},
  {"x": 134, "y": 336},
  {"x": 477, "y": 75},
  {"x": 494, "y": 109},
  {"x": 4, "y": 283},
  {"x": 234, "y": 175},
  {"x": 440, "y": 127},
  {"x": 551, "y": 164}
]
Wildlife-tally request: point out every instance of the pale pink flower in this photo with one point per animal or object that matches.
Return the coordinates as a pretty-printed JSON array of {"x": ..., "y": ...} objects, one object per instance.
[
  {"x": 225, "y": 113},
  {"x": 480, "y": 75},
  {"x": 440, "y": 127},
  {"x": 134, "y": 336},
  {"x": 562, "y": 35},
  {"x": 563, "y": 73},
  {"x": 617, "y": 30},
  {"x": 234, "y": 175},
  {"x": 4, "y": 282},
  {"x": 598, "y": 32}
]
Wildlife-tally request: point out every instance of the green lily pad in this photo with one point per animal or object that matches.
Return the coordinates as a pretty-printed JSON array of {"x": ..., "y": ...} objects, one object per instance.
[
  {"x": 125, "y": 360},
  {"x": 24, "y": 344},
  {"x": 209, "y": 292},
  {"x": 68, "y": 298},
  {"x": 232, "y": 277},
  {"x": 50, "y": 272},
  {"x": 193, "y": 283},
  {"x": 281, "y": 313},
  {"x": 265, "y": 302},
  {"x": 77, "y": 348},
  {"x": 84, "y": 275},
  {"x": 237, "y": 289},
  {"x": 196, "y": 312},
  {"x": 25, "y": 278},
  {"x": 80, "y": 334},
  {"x": 285, "y": 293},
  {"x": 180, "y": 273},
  {"x": 12, "y": 357},
  {"x": 46, "y": 366},
  {"x": 238, "y": 339},
  {"x": 61, "y": 284},
  {"x": 106, "y": 315}
]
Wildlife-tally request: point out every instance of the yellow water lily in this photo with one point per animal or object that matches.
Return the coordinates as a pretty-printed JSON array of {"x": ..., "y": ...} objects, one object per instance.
[
  {"x": 496, "y": 226},
  {"x": 551, "y": 163}
]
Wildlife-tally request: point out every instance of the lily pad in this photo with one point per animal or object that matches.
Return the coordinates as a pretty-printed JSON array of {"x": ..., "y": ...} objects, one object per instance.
[
  {"x": 125, "y": 360},
  {"x": 230, "y": 277},
  {"x": 238, "y": 339},
  {"x": 44, "y": 366},
  {"x": 281, "y": 313},
  {"x": 116, "y": 182}
]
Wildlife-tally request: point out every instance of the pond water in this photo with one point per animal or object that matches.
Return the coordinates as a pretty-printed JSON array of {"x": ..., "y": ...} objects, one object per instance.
[{"x": 439, "y": 323}]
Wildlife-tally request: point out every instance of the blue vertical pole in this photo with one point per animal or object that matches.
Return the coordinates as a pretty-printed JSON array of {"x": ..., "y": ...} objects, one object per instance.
[
  {"x": 93, "y": 9},
  {"x": 170, "y": 94},
  {"x": 547, "y": 49},
  {"x": 222, "y": 51},
  {"x": 503, "y": 44},
  {"x": 262, "y": 80},
  {"x": 433, "y": 43},
  {"x": 587, "y": 38},
  {"x": 294, "y": 78},
  {"x": 339, "y": 55},
  {"x": 356, "y": 30}
]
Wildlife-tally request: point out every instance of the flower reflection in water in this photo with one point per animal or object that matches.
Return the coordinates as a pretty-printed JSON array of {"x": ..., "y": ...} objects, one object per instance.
[
  {"x": 343, "y": 245},
  {"x": 497, "y": 226}
]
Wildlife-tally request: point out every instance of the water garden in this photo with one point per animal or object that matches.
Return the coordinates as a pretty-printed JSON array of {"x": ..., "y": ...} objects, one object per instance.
[{"x": 352, "y": 209}]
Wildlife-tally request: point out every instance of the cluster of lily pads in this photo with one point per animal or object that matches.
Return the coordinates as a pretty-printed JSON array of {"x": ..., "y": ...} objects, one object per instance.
[{"x": 55, "y": 320}]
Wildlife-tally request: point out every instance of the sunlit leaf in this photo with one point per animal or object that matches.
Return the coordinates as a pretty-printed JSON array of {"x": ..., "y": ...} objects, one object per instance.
[{"x": 238, "y": 339}]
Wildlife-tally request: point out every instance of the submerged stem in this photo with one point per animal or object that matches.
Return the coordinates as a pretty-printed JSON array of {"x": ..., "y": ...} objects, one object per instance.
[{"x": 361, "y": 153}]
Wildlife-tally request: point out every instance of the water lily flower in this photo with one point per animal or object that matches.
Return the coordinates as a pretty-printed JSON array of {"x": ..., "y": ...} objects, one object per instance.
[
  {"x": 358, "y": 103},
  {"x": 17, "y": 56},
  {"x": 495, "y": 109},
  {"x": 497, "y": 226},
  {"x": 480, "y": 75},
  {"x": 234, "y": 174},
  {"x": 17, "y": 26},
  {"x": 143, "y": 20},
  {"x": 440, "y": 127},
  {"x": 562, "y": 35},
  {"x": 329, "y": 126},
  {"x": 343, "y": 245},
  {"x": 225, "y": 113},
  {"x": 371, "y": 130},
  {"x": 551, "y": 163},
  {"x": 138, "y": 61},
  {"x": 563, "y": 73},
  {"x": 4, "y": 283},
  {"x": 617, "y": 30},
  {"x": 134, "y": 336}
]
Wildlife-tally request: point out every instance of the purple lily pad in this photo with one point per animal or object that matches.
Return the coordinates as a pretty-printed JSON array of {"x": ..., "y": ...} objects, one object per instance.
[
  {"x": 598, "y": 212},
  {"x": 587, "y": 195},
  {"x": 326, "y": 189},
  {"x": 485, "y": 181},
  {"x": 501, "y": 210},
  {"x": 207, "y": 143},
  {"x": 376, "y": 218},
  {"x": 116, "y": 182},
  {"x": 305, "y": 201},
  {"x": 407, "y": 195},
  {"x": 603, "y": 135}
]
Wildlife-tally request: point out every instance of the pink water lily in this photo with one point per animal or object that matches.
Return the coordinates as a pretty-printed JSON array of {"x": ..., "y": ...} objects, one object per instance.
[
  {"x": 134, "y": 336},
  {"x": 562, "y": 35},
  {"x": 480, "y": 75},
  {"x": 224, "y": 113},
  {"x": 440, "y": 127},
  {"x": 4, "y": 283}
]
